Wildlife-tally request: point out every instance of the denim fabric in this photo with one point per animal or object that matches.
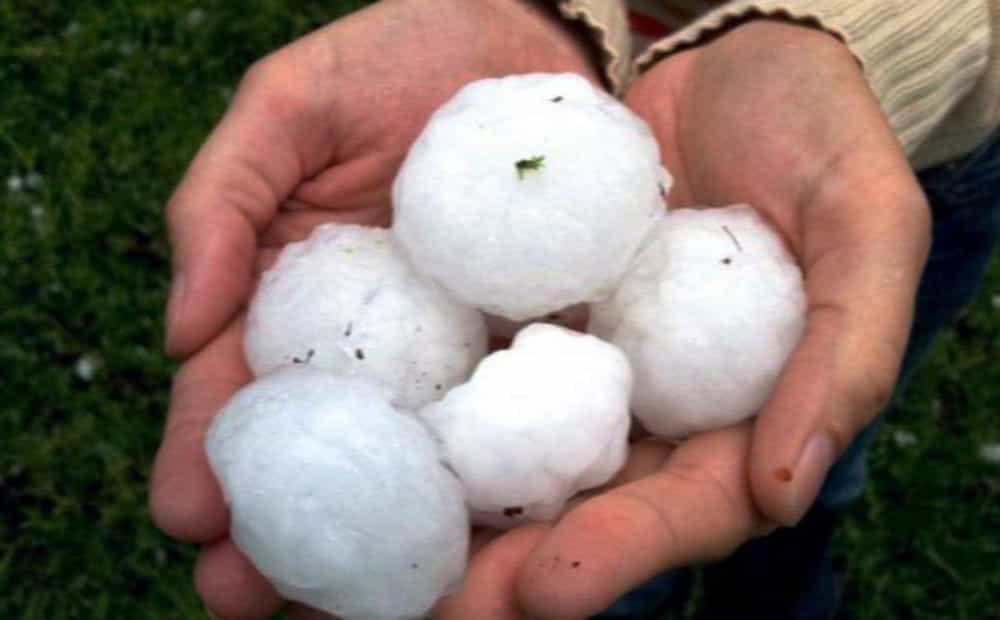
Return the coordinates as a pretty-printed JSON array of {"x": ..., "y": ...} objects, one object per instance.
[{"x": 965, "y": 202}]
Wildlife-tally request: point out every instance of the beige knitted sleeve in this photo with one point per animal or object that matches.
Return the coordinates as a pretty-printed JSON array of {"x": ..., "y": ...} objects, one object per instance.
[
  {"x": 926, "y": 60},
  {"x": 607, "y": 21}
]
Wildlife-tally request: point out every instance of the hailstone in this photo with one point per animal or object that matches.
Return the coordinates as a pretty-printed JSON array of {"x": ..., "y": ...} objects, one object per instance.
[
  {"x": 527, "y": 194},
  {"x": 535, "y": 424},
  {"x": 708, "y": 316},
  {"x": 338, "y": 498},
  {"x": 346, "y": 300}
]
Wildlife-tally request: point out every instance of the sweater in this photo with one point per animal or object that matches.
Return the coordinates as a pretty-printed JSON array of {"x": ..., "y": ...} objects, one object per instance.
[{"x": 933, "y": 65}]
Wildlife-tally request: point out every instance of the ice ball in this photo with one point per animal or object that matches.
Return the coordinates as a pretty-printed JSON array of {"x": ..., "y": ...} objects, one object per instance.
[
  {"x": 707, "y": 317},
  {"x": 346, "y": 300},
  {"x": 535, "y": 424},
  {"x": 338, "y": 498},
  {"x": 528, "y": 194}
]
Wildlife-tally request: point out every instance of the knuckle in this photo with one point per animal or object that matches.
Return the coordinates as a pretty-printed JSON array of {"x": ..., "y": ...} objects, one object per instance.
[{"x": 262, "y": 74}]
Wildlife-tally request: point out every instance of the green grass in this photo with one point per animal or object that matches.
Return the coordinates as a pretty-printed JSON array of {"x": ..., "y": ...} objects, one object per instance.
[
  {"x": 102, "y": 106},
  {"x": 925, "y": 541}
]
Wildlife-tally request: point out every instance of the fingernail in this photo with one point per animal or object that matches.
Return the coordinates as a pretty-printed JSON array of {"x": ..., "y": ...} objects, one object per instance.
[
  {"x": 175, "y": 306},
  {"x": 810, "y": 471}
]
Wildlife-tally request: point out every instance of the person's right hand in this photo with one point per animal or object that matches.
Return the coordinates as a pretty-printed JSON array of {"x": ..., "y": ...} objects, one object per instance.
[{"x": 315, "y": 133}]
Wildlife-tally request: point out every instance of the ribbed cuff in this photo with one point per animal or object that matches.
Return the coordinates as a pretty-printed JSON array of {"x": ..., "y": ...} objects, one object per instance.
[
  {"x": 920, "y": 56},
  {"x": 607, "y": 21}
]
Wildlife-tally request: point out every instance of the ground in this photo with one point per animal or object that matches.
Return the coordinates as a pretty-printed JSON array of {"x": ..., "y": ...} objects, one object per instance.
[{"x": 102, "y": 105}]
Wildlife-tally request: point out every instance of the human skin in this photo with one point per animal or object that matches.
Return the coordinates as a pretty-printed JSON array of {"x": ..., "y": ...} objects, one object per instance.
[
  {"x": 769, "y": 113},
  {"x": 315, "y": 133},
  {"x": 779, "y": 116}
]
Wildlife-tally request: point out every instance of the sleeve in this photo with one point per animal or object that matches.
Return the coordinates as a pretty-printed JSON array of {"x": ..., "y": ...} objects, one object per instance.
[
  {"x": 607, "y": 22},
  {"x": 921, "y": 57}
]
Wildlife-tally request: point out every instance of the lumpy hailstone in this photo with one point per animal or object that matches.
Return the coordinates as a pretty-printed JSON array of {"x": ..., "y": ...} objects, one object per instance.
[
  {"x": 527, "y": 194},
  {"x": 535, "y": 424},
  {"x": 336, "y": 497},
  {"x": 707, "y": 318},
  {"x": 346, "y": 300}
]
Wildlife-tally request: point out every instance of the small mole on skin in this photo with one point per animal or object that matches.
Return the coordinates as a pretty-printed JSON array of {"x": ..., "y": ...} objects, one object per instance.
[
  {"x": 784, "y": 474},
  {"x": 358, "y": 353},
  {"x": 575, "y": 564}
]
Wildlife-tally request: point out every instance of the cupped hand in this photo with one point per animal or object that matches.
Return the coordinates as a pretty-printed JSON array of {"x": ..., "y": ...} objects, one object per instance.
[
  {"x": 315, "y": 133},
  {"x": 780, "y": 116}
]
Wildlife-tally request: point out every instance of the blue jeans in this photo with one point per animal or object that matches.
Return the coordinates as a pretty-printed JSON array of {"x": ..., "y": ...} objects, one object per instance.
[{"x": 789, "y": 574}]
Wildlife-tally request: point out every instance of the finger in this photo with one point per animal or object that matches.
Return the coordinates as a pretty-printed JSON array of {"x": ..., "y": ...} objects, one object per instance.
[
  {"x": 298, "y": 222},
  {"x": 185, "y": 500},
  {"x": 482, "y": 536},
  {"x": 267, "y": 142},
  {"x": 696, "y": 507},
  {"x": 230, "y": 586},
  {"x": 862, "y": 266},
  {"x": 645, "y": 457},
  {"x": 489, "y": 589}
]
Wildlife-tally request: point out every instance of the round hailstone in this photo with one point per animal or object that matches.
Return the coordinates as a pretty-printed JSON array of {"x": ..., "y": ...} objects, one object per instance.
[
  {"x": 346, "y": 300},
  {"x": 528, "y": 194},
  {"x": 707, "y": 317},
  {"x": 535, "y": 424},
  {"x": 336, "y": 497}
]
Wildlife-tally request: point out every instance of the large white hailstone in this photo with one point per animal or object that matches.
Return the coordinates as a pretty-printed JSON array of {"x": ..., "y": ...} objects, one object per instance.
[
  {"x": 347, "y": 300},
  {"x": 535, "y": 424},
  {"x": 707, "y": 318},
  {"x": 340, "y": 500},
  {"x": 528, "y": 194}
]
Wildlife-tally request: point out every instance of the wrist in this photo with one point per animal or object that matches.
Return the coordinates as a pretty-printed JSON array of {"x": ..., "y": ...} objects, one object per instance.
[
  {"x": 569, "y": 45},
  {"x": 776, "y": 30}
]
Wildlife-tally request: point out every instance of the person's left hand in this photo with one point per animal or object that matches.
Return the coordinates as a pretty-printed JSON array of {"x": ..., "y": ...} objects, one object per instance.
[
  {"x": 779, "y": 116},
  {"x": 667, "y": 507}
]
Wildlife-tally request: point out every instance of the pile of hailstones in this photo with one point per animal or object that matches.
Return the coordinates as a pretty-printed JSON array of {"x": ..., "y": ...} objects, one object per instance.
[{"x": 378, "y": 427}]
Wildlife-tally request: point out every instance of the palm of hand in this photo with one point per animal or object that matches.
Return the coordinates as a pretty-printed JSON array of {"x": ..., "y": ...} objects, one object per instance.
[
  {"x": 302, "y": 145},
  {"x": 746, "y": 119},
  {"x": 315, "y": 133}
]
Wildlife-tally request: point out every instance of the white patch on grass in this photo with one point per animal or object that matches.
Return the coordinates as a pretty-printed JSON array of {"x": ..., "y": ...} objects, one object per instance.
[
  {"x": 995, "y": 300},
  {"x": 37, "y": 213},
  {"x": 903, "y": 438},
  {"x": 33, "y": 180},
  {"x": 15, "y": 182},
  {"x": 195, "y": 17},
  {"x": 86, "y": 366},
  {"x": 990, "y": 452}
]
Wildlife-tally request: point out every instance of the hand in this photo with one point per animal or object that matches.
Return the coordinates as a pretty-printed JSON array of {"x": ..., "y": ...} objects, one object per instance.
[
  {"x": 779, "y": 116},
  {"x": 315, "y": 133}
]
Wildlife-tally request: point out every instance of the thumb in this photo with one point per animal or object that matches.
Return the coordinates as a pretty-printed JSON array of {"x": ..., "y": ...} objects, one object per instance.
[
  {"x": 230, "y": 192},
  {"x": 862, "y": 264}
]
